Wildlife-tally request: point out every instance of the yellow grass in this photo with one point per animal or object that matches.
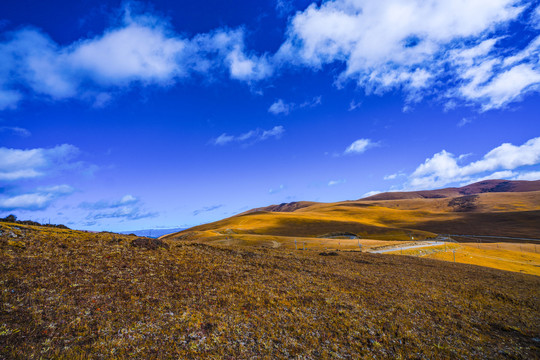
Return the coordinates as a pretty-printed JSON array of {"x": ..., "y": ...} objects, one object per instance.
[
  {"x": 369, "y": 223},
  {"x": 288, "y": 242},
  {"x": 502, "y": 256},
  {"x": 524, "y": 262},
  {"x": 503, "y": 214}
]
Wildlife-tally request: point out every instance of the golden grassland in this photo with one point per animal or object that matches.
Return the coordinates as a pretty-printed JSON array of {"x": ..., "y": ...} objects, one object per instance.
[
  {"x": 66, "y": 294},
  {"x": 364, "y": 222},
  {"x": 524, "y": 258},
  {"x": 288, "y": 242},
  {"x": 502, "y": 214}
]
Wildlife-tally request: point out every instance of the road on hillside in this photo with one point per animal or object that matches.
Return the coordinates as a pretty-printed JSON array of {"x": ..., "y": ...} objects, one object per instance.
[{"x": 397, "y": 248}]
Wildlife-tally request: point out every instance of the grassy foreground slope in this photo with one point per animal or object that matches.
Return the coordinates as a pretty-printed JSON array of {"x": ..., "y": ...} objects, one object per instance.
[{"x": 68, "y": 294}]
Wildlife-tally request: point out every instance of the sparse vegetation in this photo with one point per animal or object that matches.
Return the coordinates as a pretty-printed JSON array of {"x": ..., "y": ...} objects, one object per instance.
[
  {"x": 13, "y": 219},
  {"x": 68, "y": 294}
]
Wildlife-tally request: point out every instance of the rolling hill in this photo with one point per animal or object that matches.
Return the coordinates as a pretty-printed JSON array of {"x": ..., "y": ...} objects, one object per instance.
[{"x": 488, "y": 208}]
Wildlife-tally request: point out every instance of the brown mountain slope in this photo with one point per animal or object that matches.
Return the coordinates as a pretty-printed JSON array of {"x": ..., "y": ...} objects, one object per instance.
[
  {"x": 283, "y": 207},
  {"x": 483, "y": 210},
  {"x": 481, "y": 187}
]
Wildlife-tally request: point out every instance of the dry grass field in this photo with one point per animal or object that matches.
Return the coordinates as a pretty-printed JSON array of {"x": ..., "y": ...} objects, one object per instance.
[
  {"x": 67, "y": 294},
  {"x": 524, "y": 258},
  {"x": 500, "y": 214}
]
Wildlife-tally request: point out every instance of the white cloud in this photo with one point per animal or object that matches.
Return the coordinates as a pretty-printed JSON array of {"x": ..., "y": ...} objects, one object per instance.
[
  {"x": 279, "y": 107},
  {"x": 276, "y": 132},
  {"x": 136, "y": 51},
  {"x": 17, "y": 164},
  {"x": 393, "y": 176},
  {"x": 277, "y": 190},
  {"x": 15, "y": 130},
  {"x": 246, "y": 68},
  {"x": 508, "y": 86},
  {"x": 25, "y": 201},
  {"x": 206, "y": 209},
  {"x": 464, "y": 121},
  {"x": 391, "y": 44},
  {"x": 143, "y": 49},
  {"x": 359, "y": 146},
  {"x": 9, "y": 99},
  {"x": 223, "y": 139},
  {"x": 127, "y": 208},
  {"x": 367, "y": 35},
  {"x": 529, "y": 175},
  {"x": 126, "y": 200},
  {"x": 284, "y": 7},
  {"x": 336, "y": 182},
  {"x": 436, "y": 47},
  {"x": 250, "y": 137},
  {"x": 444, "y": 168},
  {"x": 38, "y": 200},
  {"x": 353, "y": 105},
  {"x": 536, "y": 17},
  {"x": 371, "y": 193}
]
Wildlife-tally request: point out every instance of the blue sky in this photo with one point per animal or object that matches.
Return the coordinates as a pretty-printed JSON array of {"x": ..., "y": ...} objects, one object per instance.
[{"x": 127, "y": 115}]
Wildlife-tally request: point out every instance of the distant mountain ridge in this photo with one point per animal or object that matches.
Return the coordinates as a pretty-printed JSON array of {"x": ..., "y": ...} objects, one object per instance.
[
  {"x": 283, "y": 207},
  {"x": 471, "y": 189},
  {"x": 481, "y": 187}
]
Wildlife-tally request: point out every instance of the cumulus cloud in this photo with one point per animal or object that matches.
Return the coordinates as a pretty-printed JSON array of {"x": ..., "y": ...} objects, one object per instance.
[
  {"x": 250, "y": 137},
  {"x": 18, "y": 164},
  {"x": 444, "y": 168},
  {"x": 359, "y": 146},
  {"x": 39, "y": 199},
  {"x": 142, "y": 50},
  {"x": 127, "y": 208},
  {"x": 413, "y": 45}
]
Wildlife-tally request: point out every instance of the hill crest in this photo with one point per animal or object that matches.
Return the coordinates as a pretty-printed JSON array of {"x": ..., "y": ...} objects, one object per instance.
[{"x": 480, "y": 187}]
